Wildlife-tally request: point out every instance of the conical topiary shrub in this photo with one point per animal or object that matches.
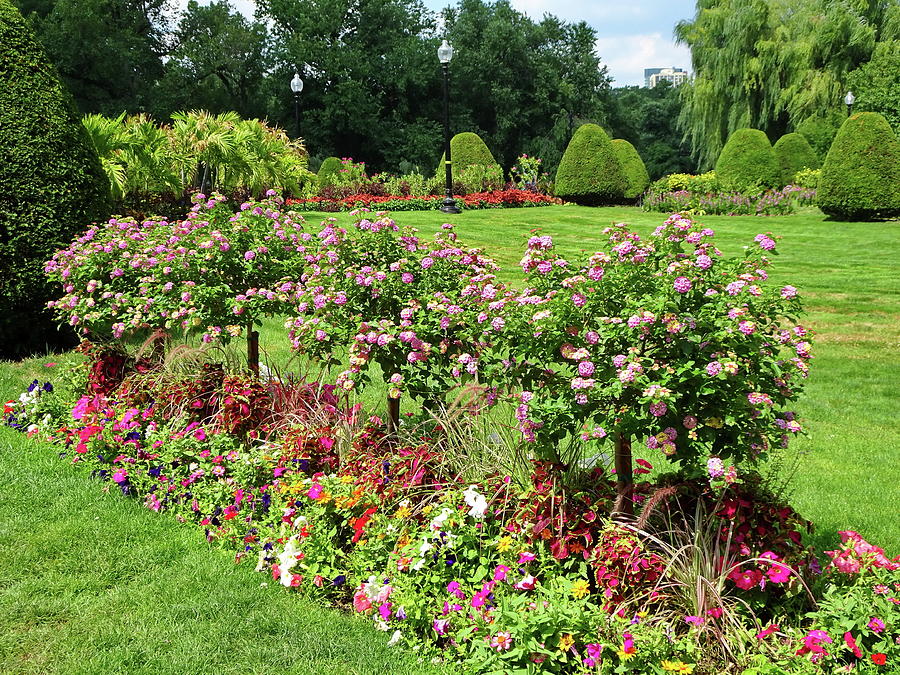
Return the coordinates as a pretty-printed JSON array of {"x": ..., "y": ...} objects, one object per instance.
[
  {"x": 328, "y": 170},
  {"x": 52, "y": 185},
  {"x": 467, "y": 149},
  {"x": 794, "y": 152},
  {"x": 861, "y": 174},
  {"x": 589, "y": 172},
  {"x": 748, "y": 161},
  {"x": 636, "y": 177}
]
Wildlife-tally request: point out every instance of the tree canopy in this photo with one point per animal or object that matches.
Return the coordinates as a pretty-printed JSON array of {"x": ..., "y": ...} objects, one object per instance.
[{"x": 769, "y": 64}]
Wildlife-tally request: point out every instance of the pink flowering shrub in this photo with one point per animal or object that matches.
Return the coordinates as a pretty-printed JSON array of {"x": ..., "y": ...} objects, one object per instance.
[
  {"x": 660, "y": 338},
  {"x": 214, "y": 272},
  {"x": 423, "y": 310}
]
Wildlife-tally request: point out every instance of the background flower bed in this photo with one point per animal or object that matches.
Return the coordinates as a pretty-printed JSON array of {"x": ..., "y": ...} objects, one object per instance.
[
  {"x": 509, "y": 198},
  {"x": 362, "y": 515}
]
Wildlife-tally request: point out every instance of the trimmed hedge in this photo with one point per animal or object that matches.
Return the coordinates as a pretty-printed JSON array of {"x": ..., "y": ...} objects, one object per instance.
[
  {"x": 636, "y": 177},
  {"x": 589, "y": 172},
  {"x": 52, "y": 185},
  {"x": 466, "y": 149},
  {"x": 861, "y": 175},
  {"x": 748, "y": 161},
  {"x": 794, "y": 153},
  {"x": 329, "y": 168}
]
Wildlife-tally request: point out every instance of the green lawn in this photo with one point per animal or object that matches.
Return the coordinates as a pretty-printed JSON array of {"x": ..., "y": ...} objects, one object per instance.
[
  {"x": 96, "y": 583},
  {"x": 92, "y": 582}
]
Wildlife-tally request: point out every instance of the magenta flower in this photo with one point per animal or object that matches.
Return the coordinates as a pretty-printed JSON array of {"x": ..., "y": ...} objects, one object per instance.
[
  {"x": 682, "y": 284},
  {"x": 876, "y": 624}
]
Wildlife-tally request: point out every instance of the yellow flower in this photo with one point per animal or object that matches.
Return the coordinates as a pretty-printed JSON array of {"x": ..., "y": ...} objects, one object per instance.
[
  {"x": 428, "y": 509},
  {"x": 566, "y": 641},
  {"x": 346, "y": 479},
  {"x": 504, "y": 544},
  {"x": 403, "y": 512},
  {"x": 678, "y": 667},
  {"x": 714, "y": 422},
  {"x": 624, "y": 656},
  {"x": 580, "y": 589}
]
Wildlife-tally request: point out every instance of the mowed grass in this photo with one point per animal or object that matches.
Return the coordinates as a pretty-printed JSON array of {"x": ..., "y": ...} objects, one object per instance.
[
  {"x": 92, "y": 582},
  {"x": 849, "y": 277}
]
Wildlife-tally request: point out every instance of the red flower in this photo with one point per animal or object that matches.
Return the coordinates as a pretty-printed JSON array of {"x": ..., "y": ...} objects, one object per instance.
[
  {"x": 360, "y": 523},
  {"x": 879, "y": 659},
  {"x": 851, "y": 644}
]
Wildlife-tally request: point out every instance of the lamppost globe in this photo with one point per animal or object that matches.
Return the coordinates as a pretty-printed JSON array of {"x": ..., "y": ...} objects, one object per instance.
[
  {"x": 445, "y": 53},
  {"x": 296, "y": 84},
  {"x": 296, "y": 87},
  {"x": 849, "y": 99}
]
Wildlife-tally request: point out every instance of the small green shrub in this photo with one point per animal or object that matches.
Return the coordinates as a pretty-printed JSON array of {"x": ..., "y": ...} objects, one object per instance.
[
  {"x": 794, "y": 153},
  {"x": 329, "y": 169},
  {"x": 703, "y": 183},
  {"x": 748, "y": 161},
  {"x": 820, "y": 131},
  {"x": 467, "y": 150},
  {"x": 807, "y": 178},
  {"x": 52, "y": 184},
  {"x": 861, "y": 175},
  {"x": 589, "y": 172},
  {"x": 636, "y": 176}
]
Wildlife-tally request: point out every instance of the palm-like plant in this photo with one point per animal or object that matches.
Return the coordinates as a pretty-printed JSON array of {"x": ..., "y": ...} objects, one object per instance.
[{"x": 107, "y": 135}]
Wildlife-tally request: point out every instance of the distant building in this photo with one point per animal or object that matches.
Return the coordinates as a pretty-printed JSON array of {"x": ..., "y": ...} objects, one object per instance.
[{"x": 653, "y": 76}]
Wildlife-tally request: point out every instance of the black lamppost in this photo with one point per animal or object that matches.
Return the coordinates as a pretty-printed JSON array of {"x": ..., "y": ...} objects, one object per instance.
[
  {"x": 445, "y": 53},
  {"x": 849, "y": 99},
  {"x": 296, "y": 87}
]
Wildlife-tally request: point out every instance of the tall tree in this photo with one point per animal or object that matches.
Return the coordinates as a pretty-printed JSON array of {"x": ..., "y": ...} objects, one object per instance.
[
  {"x": 108, "y": 52},
  {"x": 371, "y": 77},
  {"x": 648, "y": 119},
  {"x": 768, "y": 64},
  {"x": 218, "y": 62}
]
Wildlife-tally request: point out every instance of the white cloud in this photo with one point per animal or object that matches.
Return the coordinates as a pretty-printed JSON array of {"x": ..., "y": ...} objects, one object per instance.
[{"x": 626, "y": 56}]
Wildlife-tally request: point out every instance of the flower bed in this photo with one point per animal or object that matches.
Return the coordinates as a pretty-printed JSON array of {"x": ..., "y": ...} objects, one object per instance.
[
  {"x": 768, "y": 203},
  {"x": 477, "y": 200},
  {"x": 500, "y": 553}
]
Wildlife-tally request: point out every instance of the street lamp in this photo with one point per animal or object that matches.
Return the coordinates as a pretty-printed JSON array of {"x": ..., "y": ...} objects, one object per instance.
[
  {"x": 296, "y": 87},
  {"x": 445, "y": 53},
  {"x": 849, "y": 99}
]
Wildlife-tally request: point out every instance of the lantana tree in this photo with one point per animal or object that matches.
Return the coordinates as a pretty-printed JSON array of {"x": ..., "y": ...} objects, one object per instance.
[
  {"x": 216, "y": 272},
  {"x": 422, "y": 310},
  {"x": 661, "y": 338}
]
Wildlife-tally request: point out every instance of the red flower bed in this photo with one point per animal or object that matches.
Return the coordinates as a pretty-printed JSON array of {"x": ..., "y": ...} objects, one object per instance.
[{"x": 476, "y": 200}]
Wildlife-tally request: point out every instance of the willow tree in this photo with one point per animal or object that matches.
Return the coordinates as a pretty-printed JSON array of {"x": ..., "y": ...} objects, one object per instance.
[{"x": 769, "y": 64}]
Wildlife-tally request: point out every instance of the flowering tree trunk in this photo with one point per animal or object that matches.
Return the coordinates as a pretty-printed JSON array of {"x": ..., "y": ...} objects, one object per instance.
[
  {"x": 393, "y": 415},
  {"x": 624, "y": 506},
  {"x": 253, "y": 350}
]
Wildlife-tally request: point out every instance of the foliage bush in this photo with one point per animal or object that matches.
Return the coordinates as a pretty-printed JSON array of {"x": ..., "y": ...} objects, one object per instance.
[
  {"x": 819, "y": 131},
  {"x": 589, "y": 172},
  {"x": 861, "y": 174},
  {"x": 748, "y": 161},
  {"x": 794, "y": 153},
  {"x": 807, "y": 178},
  {"x": 636, "y": 176},
  {"x": 328, "y": 170},
  {"x": 51, "y": 183},
  {"x": 146, "y": 161}
]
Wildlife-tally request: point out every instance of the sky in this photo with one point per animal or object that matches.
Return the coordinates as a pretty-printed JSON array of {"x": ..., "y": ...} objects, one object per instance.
[{"x": 632, "y": 34}]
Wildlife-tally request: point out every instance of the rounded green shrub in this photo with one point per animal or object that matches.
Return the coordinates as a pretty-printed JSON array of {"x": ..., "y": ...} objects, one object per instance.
[
  {"x": 748, "y": 161},
  {"x": 589, "y": 172},
  {"x": 794, "y": 153},
  {"x": 861, "y": 174},
  {"x": 636, "y": 177},
  {"x": 819, "y": 130},
  {"x": 328, "y": 170},
  {"x": 52, "y": 185},
  {"x": 467, "y": 150}
]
